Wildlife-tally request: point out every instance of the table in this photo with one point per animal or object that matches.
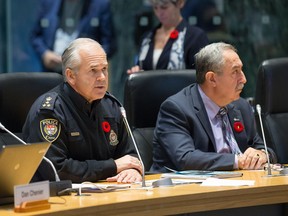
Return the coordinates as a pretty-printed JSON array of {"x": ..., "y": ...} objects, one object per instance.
[{"x": 267, "y": 197}]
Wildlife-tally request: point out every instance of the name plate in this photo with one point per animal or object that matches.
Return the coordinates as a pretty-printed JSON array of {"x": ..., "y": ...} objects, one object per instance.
[{"x": 31, "y": 192}]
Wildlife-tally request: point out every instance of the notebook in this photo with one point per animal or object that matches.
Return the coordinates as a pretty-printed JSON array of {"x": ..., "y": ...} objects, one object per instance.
[{"x": 18, "y": 163}]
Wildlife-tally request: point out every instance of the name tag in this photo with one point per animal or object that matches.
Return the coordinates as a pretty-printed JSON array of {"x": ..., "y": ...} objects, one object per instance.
[
  {"x": 31, "y": 192},
  {"x": 73, "y": 134}
]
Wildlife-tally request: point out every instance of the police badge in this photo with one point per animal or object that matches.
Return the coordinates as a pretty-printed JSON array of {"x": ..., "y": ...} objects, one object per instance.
[
  {"x": 113, "y": 138},
  {"x": 50, "y": 129}
]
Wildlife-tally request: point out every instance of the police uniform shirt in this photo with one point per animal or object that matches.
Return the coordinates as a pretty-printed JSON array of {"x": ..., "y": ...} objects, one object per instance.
[{"x": 86, "y": 137}]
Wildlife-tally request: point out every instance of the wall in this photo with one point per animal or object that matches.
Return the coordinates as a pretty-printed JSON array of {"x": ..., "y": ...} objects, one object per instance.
[{"x": 258, "y": 28}]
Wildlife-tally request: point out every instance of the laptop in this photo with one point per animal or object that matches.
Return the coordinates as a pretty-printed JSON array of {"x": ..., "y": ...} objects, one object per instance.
[{"x": 18, "y": 163}]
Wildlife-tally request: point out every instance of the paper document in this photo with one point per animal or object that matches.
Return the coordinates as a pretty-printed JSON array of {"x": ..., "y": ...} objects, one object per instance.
[
  {"x": 176, "y": 181},
  {"x": 199, "y": 174},
  {"x": 96, "y": 188},
  {"x": 227, "y": 182}
]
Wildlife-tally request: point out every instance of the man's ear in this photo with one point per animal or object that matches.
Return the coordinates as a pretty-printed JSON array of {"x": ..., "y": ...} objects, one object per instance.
[
  {"x": 180, "y": 3},
  {"x": 70, "y": 76},
  {"x": 210, "y": 78}
]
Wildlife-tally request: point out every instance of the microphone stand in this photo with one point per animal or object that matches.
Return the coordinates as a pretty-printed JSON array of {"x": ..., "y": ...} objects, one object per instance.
[
  {"x": 2, "y": 127},
  {"x": 123, "y": 112},
  {"x": 160, "y": 182},
  {"x": 258, "y": 108}
]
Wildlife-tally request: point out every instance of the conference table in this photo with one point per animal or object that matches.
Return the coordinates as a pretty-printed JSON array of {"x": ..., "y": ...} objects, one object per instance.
[{"x": 268, "y": 196}]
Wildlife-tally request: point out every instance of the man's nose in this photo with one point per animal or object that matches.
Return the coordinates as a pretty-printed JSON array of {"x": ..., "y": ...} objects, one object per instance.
[
  {"x": 243, "y": 77},
  {"x": 101, "y": 77}
]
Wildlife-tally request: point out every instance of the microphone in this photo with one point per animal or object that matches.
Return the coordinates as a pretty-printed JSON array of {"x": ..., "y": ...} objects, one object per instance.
[
  {"x": 123, "y": 113},
  {"x": 54, "y": 187},
  {"x": 258, "y": 108}
]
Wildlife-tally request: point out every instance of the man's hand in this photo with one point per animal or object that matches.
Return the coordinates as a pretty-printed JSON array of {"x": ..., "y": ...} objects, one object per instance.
[
  {"x": 128, "y": 162},
  {"x": 134, "y": 69},
  {"x": 51, "y": 60},
  {"x": 252, "y": 159},
  {"x": 126, "y": 176}
]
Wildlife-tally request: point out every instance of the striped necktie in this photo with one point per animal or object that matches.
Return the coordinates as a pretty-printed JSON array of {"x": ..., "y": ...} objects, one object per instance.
[{"x": 227, "y": 132}]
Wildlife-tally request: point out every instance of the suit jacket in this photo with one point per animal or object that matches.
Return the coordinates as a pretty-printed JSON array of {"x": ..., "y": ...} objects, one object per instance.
[
  {"x": 195, "y": 39},
  {"x": 183, "y": 137},
  {"x": 42, "y": 38}
]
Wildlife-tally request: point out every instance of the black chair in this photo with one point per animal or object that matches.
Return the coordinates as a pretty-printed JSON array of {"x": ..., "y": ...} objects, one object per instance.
[
  {"x": 271, "y": 89},
  {"x": 144, "y": 92},
  {"x": 17, "y": 93}
]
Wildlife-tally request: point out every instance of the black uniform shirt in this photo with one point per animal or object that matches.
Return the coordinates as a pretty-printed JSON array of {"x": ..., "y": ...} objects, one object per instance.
[{"x": 86, "y": 137}]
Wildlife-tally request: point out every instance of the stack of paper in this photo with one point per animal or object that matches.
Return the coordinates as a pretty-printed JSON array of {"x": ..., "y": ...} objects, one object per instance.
[
  {"x": 87, "y": 187},
  {"x": 200, "y": 174}
]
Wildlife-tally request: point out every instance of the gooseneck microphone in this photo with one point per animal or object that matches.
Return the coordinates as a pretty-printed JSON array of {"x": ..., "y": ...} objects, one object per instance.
[
  {"x": 258, "y": 108},
  {"x": 56, "y": 186},
  {"x": 123, "y": 113}
]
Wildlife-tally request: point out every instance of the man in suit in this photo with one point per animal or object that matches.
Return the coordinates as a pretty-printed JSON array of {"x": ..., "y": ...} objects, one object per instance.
[
  {"x": 59, "y": 22},
  {"x": 191, "y": 134}
]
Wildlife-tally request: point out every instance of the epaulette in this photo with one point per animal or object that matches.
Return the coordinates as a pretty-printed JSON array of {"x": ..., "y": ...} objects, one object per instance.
[
  {"x": 113, "y": 98},
  {"x": 49, "y": 101}
]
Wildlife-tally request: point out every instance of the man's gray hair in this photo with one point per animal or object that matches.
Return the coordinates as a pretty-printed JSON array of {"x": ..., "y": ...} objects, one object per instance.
[
  {"x": 210, "y": 58},
  {"x": 162, "y": 2},
  {"x": 71, "y": 57}
]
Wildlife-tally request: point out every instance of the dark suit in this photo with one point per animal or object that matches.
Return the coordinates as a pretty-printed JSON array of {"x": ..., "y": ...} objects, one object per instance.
[
  {"x": 183, "y": 138},
  {"x": 42, "y": 38},
  {"x": 195, "y": 39}
]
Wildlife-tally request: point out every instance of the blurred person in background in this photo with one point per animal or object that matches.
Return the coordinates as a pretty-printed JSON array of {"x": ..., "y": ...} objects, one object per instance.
[
  {"x": 206, "y": 15},
  {"x": 173, "y": 43},
  {"x": 61, "y": 21}
]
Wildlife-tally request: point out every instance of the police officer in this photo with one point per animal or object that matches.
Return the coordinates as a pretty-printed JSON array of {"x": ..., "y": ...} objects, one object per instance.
[{"x": 83, "y": 122}]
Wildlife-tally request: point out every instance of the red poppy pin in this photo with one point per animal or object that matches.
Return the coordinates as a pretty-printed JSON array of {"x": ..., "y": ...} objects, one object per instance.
[
  {"x": 174, "y": 34},
  {"x": 106, "y": 126},
  {"x": 238, "y": 127}
]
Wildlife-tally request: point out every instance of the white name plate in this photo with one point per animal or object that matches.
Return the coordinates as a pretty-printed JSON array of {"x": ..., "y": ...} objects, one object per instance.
[{"x": 31, "y": 192}]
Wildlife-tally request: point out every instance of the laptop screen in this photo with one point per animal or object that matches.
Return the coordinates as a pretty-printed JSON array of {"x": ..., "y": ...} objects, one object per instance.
[{"x": 18, "y": 163}]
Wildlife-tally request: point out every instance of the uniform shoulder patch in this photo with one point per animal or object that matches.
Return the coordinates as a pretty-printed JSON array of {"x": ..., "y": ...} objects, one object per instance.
[
  {"x": 50, "y": 129},
  {"x": 49, "y": 101}
]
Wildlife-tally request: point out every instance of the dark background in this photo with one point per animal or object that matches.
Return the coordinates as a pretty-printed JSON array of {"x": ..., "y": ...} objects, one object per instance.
[{"x": 258, "y": 29}]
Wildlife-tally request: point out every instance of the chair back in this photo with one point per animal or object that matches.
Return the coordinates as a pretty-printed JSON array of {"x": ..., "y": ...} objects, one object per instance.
[
  {"x": 271, "y": 89},
  {"x": 18, "y": 91},
  {"x": 144, "y": 92}
]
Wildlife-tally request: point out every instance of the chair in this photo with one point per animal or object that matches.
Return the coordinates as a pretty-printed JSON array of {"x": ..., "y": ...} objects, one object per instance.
[
  {"x": 271, "y": 89},
  {"x": 144, "y": 92},
  {"x": 17, "y": 93}
]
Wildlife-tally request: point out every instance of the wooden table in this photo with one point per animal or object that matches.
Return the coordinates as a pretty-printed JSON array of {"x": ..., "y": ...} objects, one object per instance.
[{"x": 267, "y": 195}]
